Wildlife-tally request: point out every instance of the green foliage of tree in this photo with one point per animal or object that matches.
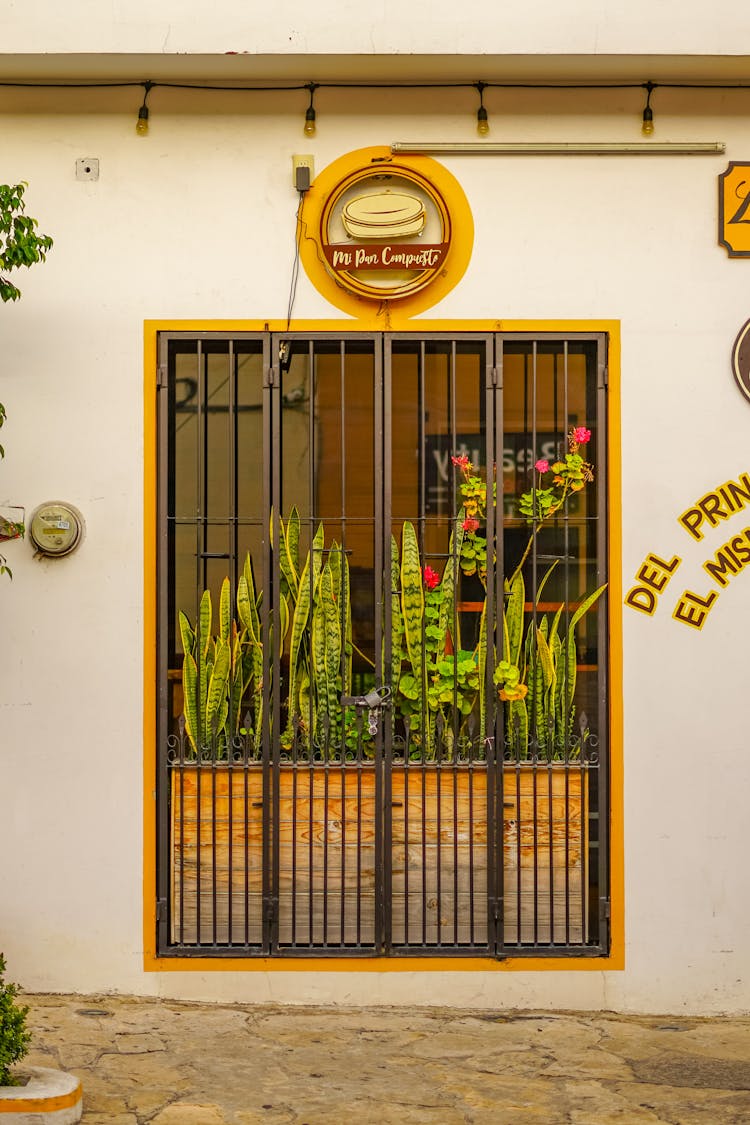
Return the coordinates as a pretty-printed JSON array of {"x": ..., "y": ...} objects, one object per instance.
[
  {"x": 14, "y": 1038},
  {"x": 20, "y": 242},
  {"x": 20, "y": 245}
]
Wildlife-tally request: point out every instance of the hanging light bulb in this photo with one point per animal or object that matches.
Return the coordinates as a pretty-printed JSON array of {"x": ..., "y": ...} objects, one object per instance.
[
  {"x": 483, "y": 125},
  {"x": 141, "y": 125},
  {"x": 310, "y": 112},
  {"x": 647, "y": 127}
]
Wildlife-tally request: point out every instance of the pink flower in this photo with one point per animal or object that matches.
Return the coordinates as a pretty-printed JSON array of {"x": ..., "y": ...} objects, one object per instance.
[
  {"x": 463, "y": 461},
  {"x": 431, "y": 577},
  {"x": 542, "y": 466},
  {"x": 470, "y": 524},
  {"x": 581, "y": 435}
]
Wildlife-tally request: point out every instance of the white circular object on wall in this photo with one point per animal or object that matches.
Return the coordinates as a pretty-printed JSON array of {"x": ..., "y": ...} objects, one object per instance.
[{"x": 56, "y": 528}]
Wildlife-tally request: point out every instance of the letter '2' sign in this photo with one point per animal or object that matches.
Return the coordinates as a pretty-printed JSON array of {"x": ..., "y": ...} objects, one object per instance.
[{"x": 734, "y": 210}]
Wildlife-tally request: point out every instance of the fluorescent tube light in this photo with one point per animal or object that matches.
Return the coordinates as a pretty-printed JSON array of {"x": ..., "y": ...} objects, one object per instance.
[{"x": 560, "y": 148}]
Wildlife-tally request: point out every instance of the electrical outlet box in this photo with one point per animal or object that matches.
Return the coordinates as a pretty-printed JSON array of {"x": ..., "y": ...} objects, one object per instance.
[
  {"x": 87, "y": 168},
  {"x": 303, "y": 171}
]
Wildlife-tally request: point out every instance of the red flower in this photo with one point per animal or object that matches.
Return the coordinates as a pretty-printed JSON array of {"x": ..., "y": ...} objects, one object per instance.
[
  {"x": 463, "y": 461},
  {"x": 431, "y": 577},
  {"x": 470, "y": 524},
  {"x": 542, "y": 466},
  {"x": 581, "y": 435}
]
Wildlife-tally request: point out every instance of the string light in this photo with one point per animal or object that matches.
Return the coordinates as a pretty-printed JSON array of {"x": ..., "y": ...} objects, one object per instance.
[
  {"x": 141, "y": 125},
  {"x": 310, "y": 114},
  {"x": 647, "y": 127},
  {"x": 483, "y": 125}
]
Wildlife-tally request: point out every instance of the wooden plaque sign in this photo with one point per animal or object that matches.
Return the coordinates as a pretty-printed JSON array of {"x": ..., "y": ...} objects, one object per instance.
[{"x": 734, "y": 210}]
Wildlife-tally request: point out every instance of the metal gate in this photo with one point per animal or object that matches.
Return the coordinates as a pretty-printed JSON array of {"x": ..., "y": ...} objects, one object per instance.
[{"x": 382, "y": 645}]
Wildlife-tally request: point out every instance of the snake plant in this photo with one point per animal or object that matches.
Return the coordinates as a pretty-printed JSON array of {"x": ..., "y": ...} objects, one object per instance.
[
  {"x": 309, "y": 647},
  {"x": 212, "y": 676},
  {"x": 435, "y": 682},
  {"x": 536, "y": 677}
]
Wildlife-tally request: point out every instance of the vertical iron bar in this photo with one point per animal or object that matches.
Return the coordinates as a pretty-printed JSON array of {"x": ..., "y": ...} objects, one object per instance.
[
  {"x": 550, "y": 848},
  {"x": 293, "y": 873},
  {"x": 326, "y": 792},
  {"x": 233, "y": 514},
  {"x": 202, "y": 438},
  {"x": 359, "y": 837},
  {"x": 311, "y": 852},
  {"x": 455, "y": 717},
  {"x": 491, "y": 727},
  {"x": 567, "y": 855},
  {"x": 313, "y": 510},
  {"x": 383, "y": 363},
  {"x": 406, "y": 844},
  {"x": 343, "y": 560},
  {"x": 452, "y": 396},
  {"x": 602, "y": 769},
  {"x": 277, "y": 437},
  {"x": 164, "y": 401},
  {"x": 555, "y": 391},
  {"x": 342, "y": 872},
  {"x": 519, "y": 870},
  {"x": 472, "y": 775},
  {"x": 181, "y": 866},
  {"x": 422, "y": 709},
  {"x": 454, "y": 829},
  {"x": 568, "y": 672},
  {"x": 534, "y": 588},
  {"x": 246, "y": 838},
  {"x": 266, "y": 623},
  {"x": 383, "y": 746},
  {"x": 214, "y": 892}
]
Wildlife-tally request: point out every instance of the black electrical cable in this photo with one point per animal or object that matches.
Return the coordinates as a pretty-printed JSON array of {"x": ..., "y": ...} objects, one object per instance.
[
  {"x": 235, "y": 88},
  {"x": 295, "y": 264}
]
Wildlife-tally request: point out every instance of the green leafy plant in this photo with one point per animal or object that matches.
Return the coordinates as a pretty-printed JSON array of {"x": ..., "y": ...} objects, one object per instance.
[
  {"x": 20, "y": 242},
  {"x": 535, "y": 675},
  {"x": 217, "y": 673},
  {"x": 316, "y": 602},
  {"x": 536, "y": 679},
  {"x": 437, "y": 687},
  {"x": 9, "y": 529},
  {"x": 223, "y": 671},
  {"x": 20, "y": 245},
  {"x": 14, "y": 1036},
  {"x": 435, "y": 681}
]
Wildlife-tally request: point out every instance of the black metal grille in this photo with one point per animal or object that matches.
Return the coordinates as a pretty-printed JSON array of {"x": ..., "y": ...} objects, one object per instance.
[{"x": 387, "y": 735}]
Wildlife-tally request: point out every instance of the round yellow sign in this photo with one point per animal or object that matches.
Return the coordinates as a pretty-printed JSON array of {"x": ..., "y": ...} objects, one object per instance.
[{"x": 379, "y": 228}]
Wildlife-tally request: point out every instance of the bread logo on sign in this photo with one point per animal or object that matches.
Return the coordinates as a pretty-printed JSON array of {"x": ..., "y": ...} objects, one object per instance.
[{"x": 385, "y": 215}]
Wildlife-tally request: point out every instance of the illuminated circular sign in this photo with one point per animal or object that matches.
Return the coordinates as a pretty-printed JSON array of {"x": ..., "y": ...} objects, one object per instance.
[
  {"x": 385, "y": 233},
  {"x": 386, "y": 228}
]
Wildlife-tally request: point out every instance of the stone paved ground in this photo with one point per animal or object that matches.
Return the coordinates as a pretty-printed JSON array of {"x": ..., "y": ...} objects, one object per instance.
[{"x": 172, "y": 1063}]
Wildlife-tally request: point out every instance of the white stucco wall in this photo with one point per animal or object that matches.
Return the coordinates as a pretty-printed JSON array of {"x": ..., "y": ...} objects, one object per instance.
[
  {"x": 333, "y": 26},
  {"x": 196, "y": 221}
]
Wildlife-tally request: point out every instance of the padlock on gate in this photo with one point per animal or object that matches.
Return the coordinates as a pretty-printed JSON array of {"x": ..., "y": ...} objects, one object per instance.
[{"x": 373, "y": 702}]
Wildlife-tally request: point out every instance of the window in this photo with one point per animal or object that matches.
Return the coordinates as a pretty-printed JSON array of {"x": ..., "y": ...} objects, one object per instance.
[{"x": 383, "y": 645}]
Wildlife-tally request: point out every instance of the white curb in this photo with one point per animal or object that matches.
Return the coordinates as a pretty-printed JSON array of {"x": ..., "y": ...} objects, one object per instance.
[{"x": 50, "y": 1097}]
